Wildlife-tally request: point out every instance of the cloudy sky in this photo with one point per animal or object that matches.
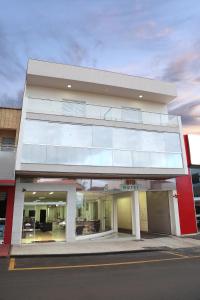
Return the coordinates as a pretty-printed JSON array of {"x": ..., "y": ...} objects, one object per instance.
[{"x": 151, "y": 38}]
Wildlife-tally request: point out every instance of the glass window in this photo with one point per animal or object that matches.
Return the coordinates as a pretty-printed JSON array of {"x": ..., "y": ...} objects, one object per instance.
[
  {"x": 131, "y": 115},
  {"x": 122, "y": 158},
  {"x": 74, "y": 108},
  {"x": 195, "y": 172},
  {"x": 126, "y": 139},
  {"x": 102, "y": 137},
  {"x": 172, "y": 142},
  {"x": 93, "y": 212},
  {"x": 99, "y": 146},
  {"x": 101, "y": 157},
  {"x": 44, "y": 217},
  {"x": 34, "y": 154}
]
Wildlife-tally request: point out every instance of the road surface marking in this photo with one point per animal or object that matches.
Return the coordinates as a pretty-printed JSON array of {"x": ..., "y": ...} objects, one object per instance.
[
  {"x": 177, "y": 254},
  {"x": 11, "y": 264},
  {"x": 101, "y": 265}
]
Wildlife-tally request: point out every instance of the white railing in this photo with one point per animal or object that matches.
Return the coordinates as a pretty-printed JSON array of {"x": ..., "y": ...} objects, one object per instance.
[{"x": 84, "y": 110}]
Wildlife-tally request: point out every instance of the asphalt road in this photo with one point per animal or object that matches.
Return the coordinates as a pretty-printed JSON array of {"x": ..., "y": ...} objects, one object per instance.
[{"x": 150, "y": 275}]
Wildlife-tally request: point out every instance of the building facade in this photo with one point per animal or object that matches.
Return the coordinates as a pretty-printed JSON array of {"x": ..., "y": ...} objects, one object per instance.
[
  {"x": 98, "y": 155},
  {"x": 9, "y": 128}
]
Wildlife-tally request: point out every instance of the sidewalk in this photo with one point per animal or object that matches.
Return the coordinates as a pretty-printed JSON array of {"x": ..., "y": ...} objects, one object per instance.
[{"x": 104, "y": 246}]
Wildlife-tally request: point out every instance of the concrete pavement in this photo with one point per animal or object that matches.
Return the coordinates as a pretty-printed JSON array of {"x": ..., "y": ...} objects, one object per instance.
[{"x": 105, "y": 246}]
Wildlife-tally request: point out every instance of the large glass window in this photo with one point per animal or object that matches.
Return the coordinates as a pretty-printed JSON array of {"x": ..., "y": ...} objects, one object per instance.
[
  {"x": 94, "y": 212},
  {"x": 75, "y": 144},
  {"x": 195, "y": 172},
  {"x": 44, "y": 217}
]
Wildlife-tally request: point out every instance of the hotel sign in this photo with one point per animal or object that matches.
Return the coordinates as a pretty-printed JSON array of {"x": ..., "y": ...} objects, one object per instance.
[{"x": 130, "y": 187}]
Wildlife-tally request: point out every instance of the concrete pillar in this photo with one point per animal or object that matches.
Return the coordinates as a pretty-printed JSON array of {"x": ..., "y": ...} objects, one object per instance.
[
  {"x": 17, "y": 215},
  {"x": 174, "y": 213},
  {"x": 115, "y": 220},
  {"x": 135, "y": 215},
  {"x": 71, "y": 215}
]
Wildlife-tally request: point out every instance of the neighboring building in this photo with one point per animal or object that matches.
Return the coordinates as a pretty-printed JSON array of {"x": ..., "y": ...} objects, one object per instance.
[
  {"x": 192, "y": 144},
  {"x": 97, "y": 154},
  {"x": 9, "y": 128}
]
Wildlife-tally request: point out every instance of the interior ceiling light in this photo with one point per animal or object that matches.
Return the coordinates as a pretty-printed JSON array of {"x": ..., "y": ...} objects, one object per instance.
[
  {"x": 69, "y": 86},
  {"x": 34, "y": 193},
  {"x": 51, "y": 193},
  {"x": 140, "y": 96}
]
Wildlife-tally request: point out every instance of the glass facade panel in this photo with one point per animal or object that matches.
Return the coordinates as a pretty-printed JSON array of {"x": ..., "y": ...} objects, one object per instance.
[
  {"x": 131, "y": 115},
  {"x": 102, "y": 137},
  {"x": 172, "y": 142},
  {"x": 195, "y": 172},
  {"x": 122, "y": 158},
  {"x": 93, "y": 212},
  {"x": 44, "y": 217},
  {"x": 74, "y": 144}
]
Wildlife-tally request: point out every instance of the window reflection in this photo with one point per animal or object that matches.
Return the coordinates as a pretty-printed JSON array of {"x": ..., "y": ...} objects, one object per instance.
[{"x": 93, "y": 212}]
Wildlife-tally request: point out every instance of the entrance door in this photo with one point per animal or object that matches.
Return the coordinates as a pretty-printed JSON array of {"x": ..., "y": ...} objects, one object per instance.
[
  {"x": 3, "y": 205},
  {"x": 158, "y": 212}
]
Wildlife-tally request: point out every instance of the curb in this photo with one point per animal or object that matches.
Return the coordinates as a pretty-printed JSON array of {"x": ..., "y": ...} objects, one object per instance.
[{"x": 91, "y": 254}]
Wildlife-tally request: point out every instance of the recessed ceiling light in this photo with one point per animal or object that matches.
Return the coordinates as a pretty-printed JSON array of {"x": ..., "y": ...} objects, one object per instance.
[
  {"x": 140, "y": 96},
  {"x": 51, "y": 193},
  {"x": 69, "y": 86},
  {"x": 34, "y": 193}
]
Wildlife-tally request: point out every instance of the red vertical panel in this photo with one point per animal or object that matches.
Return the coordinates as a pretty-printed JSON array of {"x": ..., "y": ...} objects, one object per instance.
[
  {"x": 187, "y": 150},
  {"x": 9, "y": 212},
  {"x": 187, "y": 213}
]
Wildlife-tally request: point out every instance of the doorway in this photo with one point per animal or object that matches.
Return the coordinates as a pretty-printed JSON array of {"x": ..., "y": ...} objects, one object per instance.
[
  {"x": 158, "y": 212},
  {"x": 124, "y": 213},
  {"x": 3, "y": 205},
  {"x": 44, "y": 217}
]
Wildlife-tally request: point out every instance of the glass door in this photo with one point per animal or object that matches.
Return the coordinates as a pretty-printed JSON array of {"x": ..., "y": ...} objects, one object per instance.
[
  {"x": 44, "y": 218},
  {"x": 3, "y": 204}
]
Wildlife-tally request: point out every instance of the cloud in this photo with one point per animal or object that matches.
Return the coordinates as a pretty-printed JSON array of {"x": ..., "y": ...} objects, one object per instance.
[{"x": 152, "y": 30}]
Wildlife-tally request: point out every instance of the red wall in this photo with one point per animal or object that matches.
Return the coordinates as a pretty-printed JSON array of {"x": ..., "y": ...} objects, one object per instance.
[
  {"x": 187, "y": 214},
  {"x": 9, "y": 212}
]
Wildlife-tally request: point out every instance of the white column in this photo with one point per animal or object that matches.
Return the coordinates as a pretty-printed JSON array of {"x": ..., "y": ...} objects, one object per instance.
[
  {"x": 115, "y": 220},
  {"x": 71, "y": 215},
  {"x": 174, "y": 213},
  {"x": 17, "y": 215},
  {"x": 135, "y": 215}
]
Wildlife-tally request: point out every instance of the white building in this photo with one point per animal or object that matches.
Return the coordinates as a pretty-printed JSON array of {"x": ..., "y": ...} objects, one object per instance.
[{"x": 97, "y": 154}]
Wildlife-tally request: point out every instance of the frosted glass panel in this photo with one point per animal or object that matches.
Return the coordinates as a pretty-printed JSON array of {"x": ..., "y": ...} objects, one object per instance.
[
  {"x": 74, "y": 108},
  {"x": 131, "y": 115},
  {"x": 122, "y": 158},
  {"x": 102, "y": 137},
  {"x": 33, "y": 154},
  {"x": 58, "y": 143}
]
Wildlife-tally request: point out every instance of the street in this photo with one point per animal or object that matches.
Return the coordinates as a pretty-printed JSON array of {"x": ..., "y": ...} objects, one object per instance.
[{"x": 148, "y": 275}]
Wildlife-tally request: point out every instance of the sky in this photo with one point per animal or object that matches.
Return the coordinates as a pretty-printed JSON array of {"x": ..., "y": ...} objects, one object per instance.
[{"x": 151, "y": 38}]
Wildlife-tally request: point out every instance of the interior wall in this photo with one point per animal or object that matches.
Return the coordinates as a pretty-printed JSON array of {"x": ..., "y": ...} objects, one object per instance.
[
  {"x": 143, "y": 211},
  {"x": 124, "y": 212}
]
